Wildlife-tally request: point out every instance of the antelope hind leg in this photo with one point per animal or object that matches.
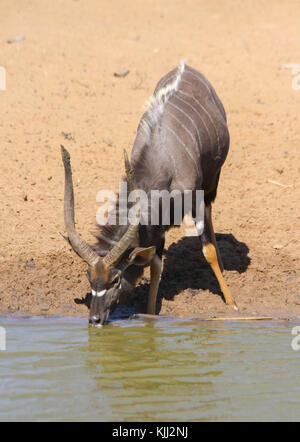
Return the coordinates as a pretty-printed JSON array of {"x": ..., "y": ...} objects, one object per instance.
[
  {"x": 210, "y": 251},
  {"x": 213, "y": 236}
]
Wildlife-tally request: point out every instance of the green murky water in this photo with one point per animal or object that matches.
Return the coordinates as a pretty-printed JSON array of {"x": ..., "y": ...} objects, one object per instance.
[{"x": 139, "y": 370}]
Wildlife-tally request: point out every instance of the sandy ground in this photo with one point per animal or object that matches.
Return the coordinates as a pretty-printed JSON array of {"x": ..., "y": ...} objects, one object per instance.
[{"x": 61, "y": 89}]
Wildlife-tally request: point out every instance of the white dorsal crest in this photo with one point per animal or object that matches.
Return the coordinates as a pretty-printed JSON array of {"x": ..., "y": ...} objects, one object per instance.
[{"x": 156, "y": 103}]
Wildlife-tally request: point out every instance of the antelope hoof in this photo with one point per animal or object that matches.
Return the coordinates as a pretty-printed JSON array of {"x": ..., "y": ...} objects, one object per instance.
[{"x": 233, "y": 304}]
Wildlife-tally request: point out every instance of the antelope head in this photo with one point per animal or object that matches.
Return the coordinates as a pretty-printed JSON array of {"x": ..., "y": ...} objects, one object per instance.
[{"x": 106, "y": 275}]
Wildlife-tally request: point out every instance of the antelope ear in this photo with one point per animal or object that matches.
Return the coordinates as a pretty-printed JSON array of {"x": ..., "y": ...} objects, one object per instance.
[{"x": 141, "y": 256}]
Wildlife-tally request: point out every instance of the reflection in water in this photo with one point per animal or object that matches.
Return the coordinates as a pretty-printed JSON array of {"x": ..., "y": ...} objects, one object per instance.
[
  {"x": 143, "y": 370},
  {"x": 153, "y": 371}
]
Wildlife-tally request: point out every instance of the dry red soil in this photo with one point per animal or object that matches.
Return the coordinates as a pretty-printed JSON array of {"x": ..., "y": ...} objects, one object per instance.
[{"x": 61, "y": 88}]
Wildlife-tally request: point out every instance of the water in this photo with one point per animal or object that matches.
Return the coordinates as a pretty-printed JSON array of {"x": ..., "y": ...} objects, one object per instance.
[{"x": 140, "y": 370}]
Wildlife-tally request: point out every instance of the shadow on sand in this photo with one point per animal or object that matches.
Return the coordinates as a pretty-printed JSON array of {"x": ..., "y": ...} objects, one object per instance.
[{"x": 185, "y": 268}]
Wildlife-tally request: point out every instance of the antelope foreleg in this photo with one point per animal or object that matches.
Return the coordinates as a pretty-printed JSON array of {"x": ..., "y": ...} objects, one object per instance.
[{"x": 155, "y": 272}]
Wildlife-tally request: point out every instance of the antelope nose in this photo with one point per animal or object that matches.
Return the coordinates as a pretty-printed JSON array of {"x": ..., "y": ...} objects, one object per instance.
[{"x": 95, "y": 321}]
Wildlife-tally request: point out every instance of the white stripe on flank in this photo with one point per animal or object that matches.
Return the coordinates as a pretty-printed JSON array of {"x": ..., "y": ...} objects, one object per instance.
[
  {"x": 198, "y": 113},
  {"x": 209, "y": 116},
  {"x": 186, "y": 129},
  {"x": 184, "y": 145},
  {"x": 183, "y": 126},
  {"x": 188, "y": 117},
  {"x": 199, "y": 78}
]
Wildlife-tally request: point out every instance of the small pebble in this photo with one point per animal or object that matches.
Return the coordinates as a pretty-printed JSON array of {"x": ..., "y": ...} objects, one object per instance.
[
  {"x": 122, "y": 73},
  {"x": 17, "y": 39},
  {"x": 278, "y": 246},
  {"x": 108, "y": 142}
]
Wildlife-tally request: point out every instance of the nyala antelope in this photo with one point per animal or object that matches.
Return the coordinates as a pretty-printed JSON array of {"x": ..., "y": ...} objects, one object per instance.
[{"x": 182, "y": 142}]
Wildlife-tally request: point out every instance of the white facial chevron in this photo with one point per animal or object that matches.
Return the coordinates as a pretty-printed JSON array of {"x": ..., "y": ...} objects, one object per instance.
[{"x": 98, "y": 294}]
